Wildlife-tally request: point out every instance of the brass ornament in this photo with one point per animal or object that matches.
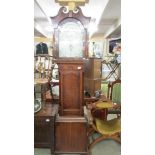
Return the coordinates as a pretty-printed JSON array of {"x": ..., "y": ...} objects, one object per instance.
[{"x": 72, "y": 4}]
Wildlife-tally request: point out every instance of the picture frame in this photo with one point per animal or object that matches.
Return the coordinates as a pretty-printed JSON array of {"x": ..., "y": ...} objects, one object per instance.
[{"x": 113, "y": 43}]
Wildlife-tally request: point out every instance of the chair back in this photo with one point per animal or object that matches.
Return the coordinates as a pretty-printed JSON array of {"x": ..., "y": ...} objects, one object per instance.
[
  {"x": 114, "y": 91},
  {"x": 100, "y": 113}
]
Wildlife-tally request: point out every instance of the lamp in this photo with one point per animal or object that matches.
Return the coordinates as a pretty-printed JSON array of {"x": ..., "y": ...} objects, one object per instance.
[{"x": 72, "y": 4}]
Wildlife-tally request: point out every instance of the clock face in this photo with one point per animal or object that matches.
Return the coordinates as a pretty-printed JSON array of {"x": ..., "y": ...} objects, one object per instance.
[{"x": 71, "y": 39}]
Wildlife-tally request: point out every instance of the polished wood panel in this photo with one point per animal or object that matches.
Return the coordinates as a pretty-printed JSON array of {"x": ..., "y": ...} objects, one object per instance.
[
  {"x": 43, "y": 132},
  {"x": 71, "y": 135},
  {"x": 71, "y": 87}
]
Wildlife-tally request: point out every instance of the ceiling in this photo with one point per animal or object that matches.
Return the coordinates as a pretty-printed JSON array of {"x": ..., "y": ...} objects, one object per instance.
[{"x": 105, "y": 17}]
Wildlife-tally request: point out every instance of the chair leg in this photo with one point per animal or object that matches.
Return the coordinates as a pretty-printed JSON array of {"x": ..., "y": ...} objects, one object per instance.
[
  {"x": 90, "y": 131},
  {"x": 117, "y": 139},
  {"x": 96, "y": 141}
]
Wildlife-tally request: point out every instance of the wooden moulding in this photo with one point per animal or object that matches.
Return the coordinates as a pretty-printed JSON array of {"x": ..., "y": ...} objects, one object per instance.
[
  {"x": 71, "y": 119},
  {"x": 62, "y": 15}
]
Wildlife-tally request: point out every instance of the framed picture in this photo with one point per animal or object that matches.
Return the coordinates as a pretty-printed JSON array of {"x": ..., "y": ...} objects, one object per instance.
[{"x": 113, "y": 44}]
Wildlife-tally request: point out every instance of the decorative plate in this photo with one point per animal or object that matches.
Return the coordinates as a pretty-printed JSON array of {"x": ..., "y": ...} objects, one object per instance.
[{"x": 37, "y": 105}]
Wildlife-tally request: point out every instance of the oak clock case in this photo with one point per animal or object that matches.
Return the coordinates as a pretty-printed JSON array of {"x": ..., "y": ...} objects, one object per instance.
[{"x": 70, "y": 47}]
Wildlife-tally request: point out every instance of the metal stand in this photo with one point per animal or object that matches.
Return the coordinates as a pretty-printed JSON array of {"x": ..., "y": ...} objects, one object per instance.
[{"x": 112, "y": 67}]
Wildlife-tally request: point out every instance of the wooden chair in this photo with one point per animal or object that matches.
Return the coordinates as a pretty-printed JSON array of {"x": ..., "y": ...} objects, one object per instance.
[
  {"x": 107, "y": 129},
  {"x": 114, "y": 94}
]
